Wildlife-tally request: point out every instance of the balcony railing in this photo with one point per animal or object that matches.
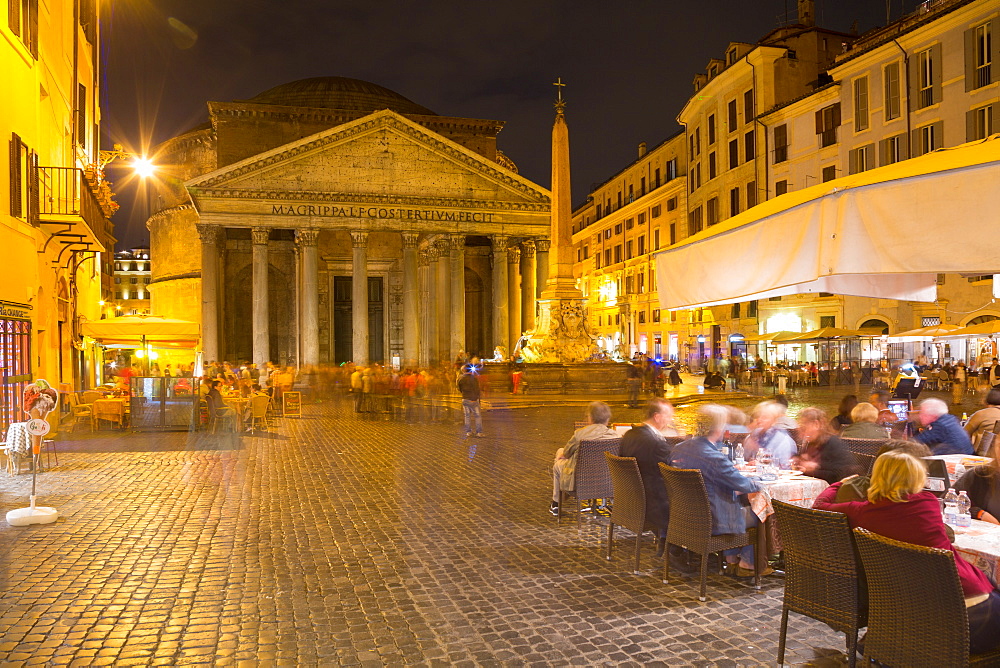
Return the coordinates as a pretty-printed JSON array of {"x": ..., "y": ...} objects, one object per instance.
[
  {"x": 983, "y": 76},
  {"x": 66, "y": 192}
]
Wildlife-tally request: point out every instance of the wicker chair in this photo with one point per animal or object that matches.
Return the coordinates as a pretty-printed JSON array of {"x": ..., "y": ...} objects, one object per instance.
[
  {"x": 258, "y": 412},
  {"x": 864, "y": 446},
  {"x": 629, "y": 510},
  {"x": 916, "y": 614},
  {"x": 986, "y": 440},
  {"x": 691, "y": 522},
  {"x": 823, "y": 577},
  {"x": 592, "y": 479},
  {"x": 864, "y": 462}
]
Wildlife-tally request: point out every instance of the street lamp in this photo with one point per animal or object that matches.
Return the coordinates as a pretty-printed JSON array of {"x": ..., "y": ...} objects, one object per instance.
[{"x": 141, "y": 165}]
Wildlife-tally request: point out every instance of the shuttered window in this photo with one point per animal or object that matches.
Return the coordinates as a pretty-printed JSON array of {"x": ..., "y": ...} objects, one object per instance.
[
  {"x": 861, "y": 104},
  {"x": 891, "y": 77}
]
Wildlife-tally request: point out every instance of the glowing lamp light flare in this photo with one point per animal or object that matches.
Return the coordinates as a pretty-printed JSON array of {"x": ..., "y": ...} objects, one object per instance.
[{"x": 143, "y": 167}]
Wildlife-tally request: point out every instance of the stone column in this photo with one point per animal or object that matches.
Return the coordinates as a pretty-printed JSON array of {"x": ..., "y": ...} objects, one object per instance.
[
  {"x": 359, "y": 297},
  {"x": 431, "y": 309},
  {"x": 457, "y": 325},
  {"x": 528, "y": 290},
  {"x": 309, "y": 327},
  {"x": 443, "y": 294},
  {"x": 542, "y": 266},
  {"x": 411, "y": 300},
  {"x": 423, "y": 322},
  {"x": 500, "y": 322},
  {"x": 261, "y": 317},
  {"x": 210, "y": 237},
  {"x": 513, "y": 296}
]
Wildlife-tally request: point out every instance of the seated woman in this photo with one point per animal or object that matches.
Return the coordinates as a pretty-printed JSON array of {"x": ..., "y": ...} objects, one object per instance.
[
  {"x": 983, "y": 486},
  {"x": 985, "y": 419},
  {"x": 822, "y": 455},
  {"x": 865, "y": 416},
  {"x": 898, "y": 508},
  {"x": 714, "y": 381}
]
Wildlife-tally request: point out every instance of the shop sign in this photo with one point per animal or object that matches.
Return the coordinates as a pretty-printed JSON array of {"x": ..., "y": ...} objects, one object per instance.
[
  {"x": 13, "y": 311},
  {"x": 292, "y": 404}
]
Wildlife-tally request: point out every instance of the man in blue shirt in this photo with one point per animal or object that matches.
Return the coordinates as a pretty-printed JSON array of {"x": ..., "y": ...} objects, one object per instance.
[
  {"x": 723, "y": 483},
  {"x": 941, "y": 431}
]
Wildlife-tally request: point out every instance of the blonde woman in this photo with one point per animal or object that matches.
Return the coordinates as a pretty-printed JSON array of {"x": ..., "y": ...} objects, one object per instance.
[{"x": 899, "y": 508}]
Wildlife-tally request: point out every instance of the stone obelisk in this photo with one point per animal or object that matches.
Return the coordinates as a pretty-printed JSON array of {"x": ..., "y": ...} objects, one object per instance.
[{"x": 561, "y": 333}]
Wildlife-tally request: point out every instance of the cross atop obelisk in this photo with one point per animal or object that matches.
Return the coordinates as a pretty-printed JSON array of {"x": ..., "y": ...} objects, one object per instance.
[{"x": 561, "y": 284}]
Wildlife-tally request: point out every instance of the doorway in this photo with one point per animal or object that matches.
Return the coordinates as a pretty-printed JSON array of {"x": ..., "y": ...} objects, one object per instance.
[{"x": 343, "y": 319}]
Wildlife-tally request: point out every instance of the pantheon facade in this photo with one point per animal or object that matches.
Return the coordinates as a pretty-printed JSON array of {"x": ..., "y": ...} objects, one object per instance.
[{"x": 331, "y": 220}]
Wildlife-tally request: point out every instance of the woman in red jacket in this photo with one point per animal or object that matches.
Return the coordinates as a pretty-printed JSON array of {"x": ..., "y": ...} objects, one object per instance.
[{"x": 898, "y": 508}]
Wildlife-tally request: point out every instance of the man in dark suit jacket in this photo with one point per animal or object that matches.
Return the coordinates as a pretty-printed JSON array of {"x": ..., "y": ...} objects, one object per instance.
[
  {"x": 723, "y": 483},
  {"x": 648, "y": 445}
]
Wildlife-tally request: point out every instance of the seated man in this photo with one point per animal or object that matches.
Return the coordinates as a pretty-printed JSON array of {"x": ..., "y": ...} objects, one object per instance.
[
  {"x": 564, "y": 468},
  {"x": 215, "y": 400},
  {"x": 880, "y": 400},
  {"x": 723, "y": 484},
  {"x": 765, "y": 433},
  {"x": 941, "y": 431},
  {"x": 648, "y": 445}
]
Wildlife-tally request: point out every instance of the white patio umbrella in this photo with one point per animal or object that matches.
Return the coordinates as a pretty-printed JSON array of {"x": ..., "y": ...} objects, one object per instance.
[
  {"x": 923, "y": 334},
  {"x": 886, "y": 233}
]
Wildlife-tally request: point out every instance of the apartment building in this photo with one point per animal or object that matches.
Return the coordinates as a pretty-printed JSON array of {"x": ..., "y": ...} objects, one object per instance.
[
  {"x": 131, "y": 282},
  {"x": 624, "y": 221},
  {"x": 927, "y": 81},
  {"x": 54, "y": 212}
]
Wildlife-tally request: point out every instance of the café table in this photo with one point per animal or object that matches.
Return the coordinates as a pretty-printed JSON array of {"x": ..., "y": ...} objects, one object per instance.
[
  {"x": 979, "y": 544},
  {"x": 967, "y": 461},
  {"x": 112, "y": 410},
  {"x": 238, "y": 404},
  {"x": 791, "y": 487}
]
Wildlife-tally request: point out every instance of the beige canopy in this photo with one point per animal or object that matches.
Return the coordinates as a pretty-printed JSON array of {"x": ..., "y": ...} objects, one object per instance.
[
  {"x": 144, "y": 329},
  {"x": 886, "y": 232},
  {"x": 923, "y": 333}
]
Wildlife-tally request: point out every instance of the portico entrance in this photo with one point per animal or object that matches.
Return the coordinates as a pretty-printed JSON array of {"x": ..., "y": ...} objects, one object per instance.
[{"x": 343, "y": 329}]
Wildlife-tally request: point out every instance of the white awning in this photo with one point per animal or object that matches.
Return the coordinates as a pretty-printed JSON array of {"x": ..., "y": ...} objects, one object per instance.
[{"x": 883, "y": 233}]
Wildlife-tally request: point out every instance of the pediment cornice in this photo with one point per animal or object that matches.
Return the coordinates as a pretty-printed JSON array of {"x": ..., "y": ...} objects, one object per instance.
[
  {"x": 379, "y": 120},
  {"x": 374, "y": 199}
]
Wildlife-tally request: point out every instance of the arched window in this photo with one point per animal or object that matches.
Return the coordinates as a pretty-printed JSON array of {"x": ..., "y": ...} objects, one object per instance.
[
  {"x": 981, "y": 319},
  {"x": 875, "y": 324}
]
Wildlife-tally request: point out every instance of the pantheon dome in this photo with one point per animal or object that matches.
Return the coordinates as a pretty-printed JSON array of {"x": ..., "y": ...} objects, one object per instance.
[{"x": 339, "y": 93}]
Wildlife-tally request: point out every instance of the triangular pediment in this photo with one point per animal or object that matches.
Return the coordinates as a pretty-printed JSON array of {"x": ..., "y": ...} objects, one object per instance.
[{"x": 382, "y": 155}]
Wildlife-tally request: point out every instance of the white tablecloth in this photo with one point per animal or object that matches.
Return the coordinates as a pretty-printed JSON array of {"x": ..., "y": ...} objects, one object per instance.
[{"x": 980, "y": 545}]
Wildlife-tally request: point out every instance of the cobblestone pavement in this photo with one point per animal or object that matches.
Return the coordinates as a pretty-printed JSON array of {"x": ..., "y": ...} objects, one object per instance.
[{"x": 334, "y": 540}]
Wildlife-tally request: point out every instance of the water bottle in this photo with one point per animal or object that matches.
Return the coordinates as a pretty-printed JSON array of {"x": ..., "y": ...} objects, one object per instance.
[
  {"x": 965, "y": 418},
  {"x": 964, "y": 507},
  {"x": 764, "y": 467},
  {"x": 959, "y": 471},
  {"x": 951, "y": 506},
  {"x": 738, "y": 459}
]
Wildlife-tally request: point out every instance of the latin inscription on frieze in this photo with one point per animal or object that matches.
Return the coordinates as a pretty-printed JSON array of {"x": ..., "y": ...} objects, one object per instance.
[{"x": 384, "y": 213}]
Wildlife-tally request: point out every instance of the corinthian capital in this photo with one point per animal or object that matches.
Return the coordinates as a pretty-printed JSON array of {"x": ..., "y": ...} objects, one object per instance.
[
  {"x": 409, "y": 239},
  {"x": 306, "y": 236},
  {"x": 210, "y": 234},
  {"x": 359, "y": 239},
  {"x": 260, "y": 235},
  {"x": 513, "y": 255},
  {"x": 542, "y": 245},
  {"x": 528, "y": 248},
  {"x": 457, "y": 242},
  {"x": 500, "y": 242}
]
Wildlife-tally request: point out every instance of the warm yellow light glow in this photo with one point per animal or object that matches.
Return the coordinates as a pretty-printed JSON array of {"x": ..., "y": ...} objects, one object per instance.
[
  {"x": 143, "y": 167},
  {"x": 153, "y": 354},
  {"x": 100, "y": 303},
  {"x": 140, "y": 353},
  {"x": 784, "y": 322}
]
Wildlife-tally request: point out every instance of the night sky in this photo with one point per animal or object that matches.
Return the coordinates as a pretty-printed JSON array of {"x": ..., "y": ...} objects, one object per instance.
[{"x": 628, "y": 65}]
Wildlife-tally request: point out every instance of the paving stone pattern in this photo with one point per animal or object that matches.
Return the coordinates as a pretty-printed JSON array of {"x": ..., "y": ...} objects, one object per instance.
[{"x": 333, "y": 540}]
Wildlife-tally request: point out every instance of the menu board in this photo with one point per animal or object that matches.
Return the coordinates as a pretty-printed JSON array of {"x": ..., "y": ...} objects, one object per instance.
[{"x": 291, "y": 404}]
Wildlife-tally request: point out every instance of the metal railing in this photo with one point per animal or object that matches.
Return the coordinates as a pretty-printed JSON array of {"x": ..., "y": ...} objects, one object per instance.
[
  {"x": 65, "y": 191},
  {"x": 983, "y": 75}
]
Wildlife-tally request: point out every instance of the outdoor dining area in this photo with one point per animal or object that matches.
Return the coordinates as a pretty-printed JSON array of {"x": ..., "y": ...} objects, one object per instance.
[{"x": 881, "y": 592}]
